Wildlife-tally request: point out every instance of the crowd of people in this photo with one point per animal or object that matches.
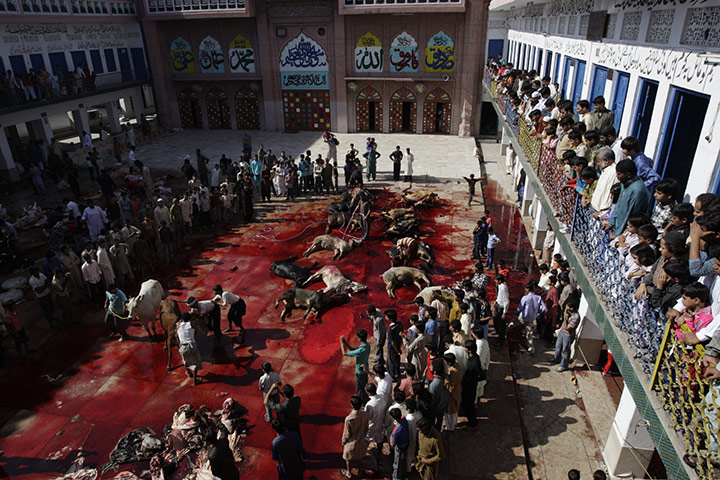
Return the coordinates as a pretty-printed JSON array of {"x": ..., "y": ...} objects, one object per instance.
[
  {"x": 17, "y": 89},
  {"x": 669, "y": 249}
]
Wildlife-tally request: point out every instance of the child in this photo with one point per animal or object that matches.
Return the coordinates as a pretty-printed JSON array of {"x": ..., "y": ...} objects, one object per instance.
[
  {"x": 697, "y": 314},
  {"x": 648, "y": 234},
  {"x": 589, "y": 177},
  {"x": 678, "y": 276},
  {"x": 266, "y": 382},
  {"x": 557, "y": 260},
  {"x": 666, "y": 193},
  {"x": 488, "y": 218},
  {"x": 492, "y": 241},
  {"x": 502, "y": 269},
  {"x": 614, "y": 197},
  {"x": 576, "y": 165},
  {"x": 544, "y": 281},
  {"x": 471, "y": 187},
  {"x": 681, "y": 218},
  {"x": 480, "y": 236},
  {"x": 672, "y": 246},
  {"x": 629, "y": 237},
  {"x": 16, "y": 329},
  {"x": 551, "y": 138},
  {"x": 643, "y": 258},
  {"x": 577, "y": 144}
]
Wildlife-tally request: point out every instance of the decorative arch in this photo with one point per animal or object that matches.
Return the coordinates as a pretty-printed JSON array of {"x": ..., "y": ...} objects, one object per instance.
[
  {"x": 403, "y": 111},
  {"x": 241, "y": 55},
  {"x": 182, "y": 58},
  {"x": 368, "y": 53},
  {"x": 247, "y": 109},
  {"x": 404, "y": 54},
  {"x": 437, "y": 112},
  {"x": 369, "y": 111},
  {"x": 211, "y": 56},
  {"x": 218, "y": 109},
  {"x": 440, "y": 53},
  {"x": 189, "y": 107}
]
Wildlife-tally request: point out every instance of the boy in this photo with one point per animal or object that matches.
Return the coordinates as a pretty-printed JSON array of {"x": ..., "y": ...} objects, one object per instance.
[
  {"x": 666, "y": 193},
  {"x": 566, "y": 335},
  {"x": 492, "y": 241},
  {"x": 471, "y": 187},
  {"x": 589, "y": 176},
  {"x": 681, "y": 218},
  {"x": 268, "y": 379},
  {"x": 697, "y": 314},
  {"x": 502, "y": 269},
  {"x": 577, "y": 144},
  {"x": 480, "y": 235}
]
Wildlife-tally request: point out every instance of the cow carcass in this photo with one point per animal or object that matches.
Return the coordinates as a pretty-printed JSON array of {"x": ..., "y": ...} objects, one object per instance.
[
  {"x": 310, "y": 301},
  {"x": 396, "y": 277},
  {"x": 422, "y": 198},
  {"x": 334, "y": 244},
  {"x": 335, "y": 281},
  {"x": 290, "y": 270}
]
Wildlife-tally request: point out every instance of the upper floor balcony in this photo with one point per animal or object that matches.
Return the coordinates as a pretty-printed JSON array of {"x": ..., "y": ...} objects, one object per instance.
[
  {"x": 194, "y": 6},
  {"x": 66, "y": 8},
  {"x": 400, "y": 6},
  {"x": 667, "y": 377}
]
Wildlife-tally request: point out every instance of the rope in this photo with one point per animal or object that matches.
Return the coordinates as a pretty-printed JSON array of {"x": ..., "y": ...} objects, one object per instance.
[{"x": 118, "y": 316}]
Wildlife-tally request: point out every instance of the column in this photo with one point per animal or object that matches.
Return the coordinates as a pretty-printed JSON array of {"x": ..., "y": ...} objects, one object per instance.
[
  {"x": 339, "y": 110},
  {"x": 203, "y": 110},
  {"x": 113, "y": 114},
  {"x": 386, "y": 113},
  {"x": 539, "y": 226},
  {"x": 420, "y": 112},
  {"x": 629, "y": 448},
  {"x": 233, "y": 112},
  {"x": 528, "y": 198},
  {"x": 82, "y": 122},
  {"x": 41, "y": 131},
  {"x": 129, "y": 106},
  {"x": 468, "y": 80},
  {"x": 7, "y": 162},
  {"x": 589, "y": 337}
]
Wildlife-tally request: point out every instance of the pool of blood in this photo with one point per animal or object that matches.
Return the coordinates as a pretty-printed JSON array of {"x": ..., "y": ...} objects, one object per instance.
[{"x": 84, "y": 391}]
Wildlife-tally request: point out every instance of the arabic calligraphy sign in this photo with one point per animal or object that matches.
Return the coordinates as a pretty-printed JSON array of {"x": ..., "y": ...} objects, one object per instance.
[
  {"x": 440, "y": 53},
  {"x": 303, "y": 65},
  {"x": 242, "y": 55},
  {"x": 368, "y": 54},
  {"x": 181, "y": 56},
  {"x": 211, "y": 56},
  {"x": 404, "y": 53}
]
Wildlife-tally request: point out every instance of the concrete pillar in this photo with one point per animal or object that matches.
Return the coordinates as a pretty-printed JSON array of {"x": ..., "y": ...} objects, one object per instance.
[
  {"x": 233, "y": 114},
  {"x": 339, "y": 95},
  {"x": 41, "y": 130},
  {"x": 528, "y": 198},
  {"x": 629, "y": 448},
  {"x": 589, "y": 337},
  {"x": 386, "y": 114},
  {"x": 7, "y": 162},
  {"x": 129, "y": 106},
  {"x": 420, "y": 113},
  {"x": 82, "y": 121},
  {"x": 113, "y": 114},
  {"x": 539, "y": 226},
  {"x": 469, "y": 81}
]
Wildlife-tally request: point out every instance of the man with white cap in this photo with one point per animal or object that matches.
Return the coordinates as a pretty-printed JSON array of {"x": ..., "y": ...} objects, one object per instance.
[
  {"x": 211, "y": 311},
  {"x": 162, "y": 213}
]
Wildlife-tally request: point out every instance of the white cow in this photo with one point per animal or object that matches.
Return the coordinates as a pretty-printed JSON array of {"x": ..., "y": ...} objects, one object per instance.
[
  {"x": 146, "y": 304},
  {"x": 335, "y": 280}
]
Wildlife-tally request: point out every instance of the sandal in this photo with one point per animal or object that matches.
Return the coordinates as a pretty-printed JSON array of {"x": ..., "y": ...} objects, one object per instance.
[{"x": 345, "y": 473}]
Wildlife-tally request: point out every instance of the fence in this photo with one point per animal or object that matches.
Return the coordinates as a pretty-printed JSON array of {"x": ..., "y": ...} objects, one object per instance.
[{"x": 691, "y": 401}]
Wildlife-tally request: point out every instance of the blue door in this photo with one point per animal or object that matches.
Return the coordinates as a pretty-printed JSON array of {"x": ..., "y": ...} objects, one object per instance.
[
  {"x": 578, "y": 83},
  {"x": 79, "y": 58},
  {"x": 622, "y": 81},
  {"x": 124, "y": 59},
  {"x": 556, "y": 75},
  {"x": 17, "y": 64},
  {"x": 138, "y": 58},
  {"x": 96, "y": 61},
  {"x": 494, "y": 48},
  {"x": 548, "y": 62},
  {"x": 682, "y": 131},
  {"x": 37, "y": 61},
  {"x": 110, "y": 59},
  {"x": 644, "y": 110},
  {"x": 598, "y": 84},
  {"x": 538, "y": 65},
  {"x": 566, "y": 78},
  {"x": 57, "y": 61}
]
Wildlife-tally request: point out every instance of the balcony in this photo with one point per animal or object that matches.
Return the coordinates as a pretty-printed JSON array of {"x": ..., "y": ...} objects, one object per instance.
[
  {"x": 70, "y": 89},
  {"x": 68, "y": 7},
  {"x": 662, "y": 373},
  {"x": 400, "y": 6},
  {"x": 172, "y": 6}
]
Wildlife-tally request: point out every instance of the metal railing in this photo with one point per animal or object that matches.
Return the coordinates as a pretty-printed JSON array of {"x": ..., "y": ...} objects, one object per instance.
[
  {"x": 168, "y": 6},
  {"x": 375, "y": 3},
  {"x": 691, "y": 402},
  {"x": 14, "y": 98}
]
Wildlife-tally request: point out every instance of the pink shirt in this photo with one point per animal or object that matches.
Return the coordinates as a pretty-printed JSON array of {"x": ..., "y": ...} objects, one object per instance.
[{"x": 697, "y": 322}]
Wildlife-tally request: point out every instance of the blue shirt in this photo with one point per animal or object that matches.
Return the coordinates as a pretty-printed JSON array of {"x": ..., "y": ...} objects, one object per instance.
[
  {"x": 401, "y": 434},
  {"x": 116, "y": 302},
  {"x": 646, "y": 172},
  {"x": 287, "y": 449},
  {"x": 431, "y": 330},
  {"x": 361, "y": 354},
  {"x": 530, "y": 306},
  {"x": 633, "y": 199},
  {"x": 492, "y": 240}
]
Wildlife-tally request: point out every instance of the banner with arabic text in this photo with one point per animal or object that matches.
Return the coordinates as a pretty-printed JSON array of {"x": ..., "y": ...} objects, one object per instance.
[
  {"x": 404, "y": 54},
  {"x": 304, "y": 65},
  {"x": 242, "y": 55},
  {"x": 440, "y": 53},
  {"x": 181, "y": 56},
  {"x": 211, "y": 56},
  {"x": 368, "y": 54}
]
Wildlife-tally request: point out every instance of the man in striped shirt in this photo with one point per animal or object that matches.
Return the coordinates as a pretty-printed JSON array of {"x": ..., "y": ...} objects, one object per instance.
[{"x": 408, "y": 249}]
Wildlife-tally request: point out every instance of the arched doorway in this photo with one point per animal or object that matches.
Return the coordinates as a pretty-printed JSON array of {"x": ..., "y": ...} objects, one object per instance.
[
  {"x": 368, "y": 111},
  {"x": 218, "y": 109},
  {"x": 247, "y": 109},
  {"x": 403, "y": 111},
  {"x": 436, "y": 112},
  {"x": 189, "y": 106}
]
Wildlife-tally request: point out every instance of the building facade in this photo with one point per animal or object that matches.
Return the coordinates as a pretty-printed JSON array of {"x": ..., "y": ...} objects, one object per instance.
[{"x": 338, "y": 65}]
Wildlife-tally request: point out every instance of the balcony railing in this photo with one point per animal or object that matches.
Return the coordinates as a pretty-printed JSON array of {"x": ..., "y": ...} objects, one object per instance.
[
  {"x": 691, "y": 402},
  {"x": 68, "y": 7},
  {"x": 169, "y": 6},
  {"x": 71, "y": 88},
  {"x": 381, "y": 3}
]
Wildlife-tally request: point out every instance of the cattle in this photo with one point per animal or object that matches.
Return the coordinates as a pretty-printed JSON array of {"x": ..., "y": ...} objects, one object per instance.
[
  {"x": 422, "y": 198},
  {"x": 310, "y": 301},
  {"x": 169, "y": 318},
  {"x": 145, "y": 305},
  {"x": 334, "y": 244},
  {"x": 396, "y": 277},
  {"x": 336, "y": 220},
  {"x": 290, "y": 270},
  {"x": 335, "y": 281}
]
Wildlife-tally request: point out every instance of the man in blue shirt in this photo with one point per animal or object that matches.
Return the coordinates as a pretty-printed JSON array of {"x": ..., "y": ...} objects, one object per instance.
[
  {"x": 531, "y": 305},
  {"x": 361, "y": 354},
  {"x": 116, "y": 312},
  {"x": 399, "y": 440},
  {"x": 287, "y": 450},
  {"x": 631, "y": 147},
  {"x": 431, "y": 325},
  {"x": 633, "y": 198}
]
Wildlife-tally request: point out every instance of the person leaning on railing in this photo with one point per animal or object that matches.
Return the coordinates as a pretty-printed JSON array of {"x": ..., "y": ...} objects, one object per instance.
[{"x": 633, "y": 198}]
